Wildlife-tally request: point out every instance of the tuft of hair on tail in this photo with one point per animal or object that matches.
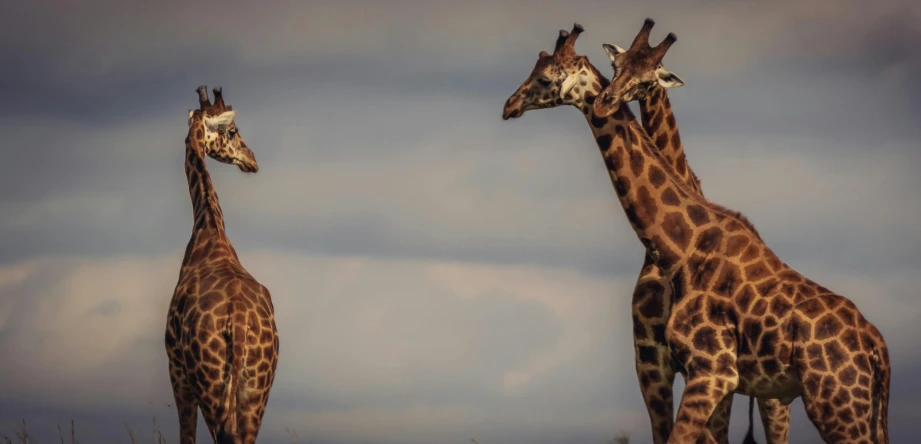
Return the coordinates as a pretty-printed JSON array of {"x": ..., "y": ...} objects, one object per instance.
[
  {"x": 750, "y": 436},
  {"x": 879, "y": 423},
  {"x": 227, "y": 432}
]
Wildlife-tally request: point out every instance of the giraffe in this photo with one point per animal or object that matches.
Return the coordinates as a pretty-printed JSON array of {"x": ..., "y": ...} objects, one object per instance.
[
  {"x": 221, "y": 338},
  {"x": 658, "y": 121},
  {"x": 568, "y": 78},
  {"x": 741, "y": 320}
]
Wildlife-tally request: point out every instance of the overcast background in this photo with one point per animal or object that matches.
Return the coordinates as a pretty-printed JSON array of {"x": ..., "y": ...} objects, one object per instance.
[{"x": 438, "y": 274}]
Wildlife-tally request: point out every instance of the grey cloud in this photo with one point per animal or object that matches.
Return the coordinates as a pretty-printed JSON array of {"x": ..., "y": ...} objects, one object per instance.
[
  {"x": 349, "y": 345},
  {"x": 121, "y": 98},
  {"x": 419, "y": 183},
  {"x": 147, "y": 31},
  {"x": 845, "y": 108},
  {"x": 747, "y": 61},
  {"x": 379, "y": 137},
  {"x": 136, "y": 196},
  {"x": 107, "y": 308}
]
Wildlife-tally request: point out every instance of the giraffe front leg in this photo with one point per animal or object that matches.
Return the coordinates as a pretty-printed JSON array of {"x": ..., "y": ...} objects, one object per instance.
[
  {"x": 700, "y": 399},
  {"x": 656, "y": 383},
  {"x": 704, "y": 392},
  {"x": 654, "y": 368},
  {"x": 717, "y": 430},
  {"x": 706, "y": 347},
  {"x": 775, "y": 417}
]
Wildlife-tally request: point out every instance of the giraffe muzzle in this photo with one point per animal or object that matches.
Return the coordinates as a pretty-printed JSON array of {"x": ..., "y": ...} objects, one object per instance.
[
  {"x": 247, "y": 167},
  {"x": 512, "y": 108},
  {"x": 511, "y": 113}
]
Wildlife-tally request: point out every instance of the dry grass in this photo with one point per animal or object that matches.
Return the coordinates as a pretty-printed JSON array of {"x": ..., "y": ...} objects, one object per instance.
[
  {"x": 22, "y": 435},
  {"x": 623, "y": 438}
]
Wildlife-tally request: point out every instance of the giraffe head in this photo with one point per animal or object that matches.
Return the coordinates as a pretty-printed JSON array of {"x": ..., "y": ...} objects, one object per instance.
[
  {"x": 557, "y": 79},
  {"x": 636, "y": 71},
  {"x": 214, "y": 129}
]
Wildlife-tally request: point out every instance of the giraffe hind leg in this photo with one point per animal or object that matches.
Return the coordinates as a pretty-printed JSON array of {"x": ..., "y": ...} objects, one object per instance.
[
  {"x": 186, "y": 403},
  {"x": 214, "y": 410},
  {"x": 775, "y": 417},
  {"x": 216, "y": 386},
  {"x": 259, "y": 375},
  {"x": 837, "y": 379},
  {"x": 848, "y": 423},
  {"x": 255, "y": 361},
  {"x": 252, "y": 395},
  {"x": 250, "y": 418}
]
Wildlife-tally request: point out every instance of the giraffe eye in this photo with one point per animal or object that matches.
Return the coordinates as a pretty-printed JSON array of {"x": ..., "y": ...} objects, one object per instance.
[
  {"x": 544, "y": 81},
  {"x": 231, "y": 133}
]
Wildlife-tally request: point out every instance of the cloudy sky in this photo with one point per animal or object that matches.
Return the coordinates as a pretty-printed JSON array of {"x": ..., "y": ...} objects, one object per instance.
[{"x": 439, "y": 274}]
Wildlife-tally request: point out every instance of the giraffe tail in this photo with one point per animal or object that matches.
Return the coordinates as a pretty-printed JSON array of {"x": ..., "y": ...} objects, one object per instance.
[
  {"x": 750, "y": 435},
  {"x": 234, "y": 337},
  {"x": 879, "y": 421}
]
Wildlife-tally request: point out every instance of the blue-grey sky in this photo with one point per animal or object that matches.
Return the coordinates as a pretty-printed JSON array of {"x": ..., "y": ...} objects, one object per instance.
[{"x": 439, "y": 274}]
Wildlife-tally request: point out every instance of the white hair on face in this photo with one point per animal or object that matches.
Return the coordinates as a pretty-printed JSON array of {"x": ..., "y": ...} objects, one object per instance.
[{"x": 222, "y": 120}]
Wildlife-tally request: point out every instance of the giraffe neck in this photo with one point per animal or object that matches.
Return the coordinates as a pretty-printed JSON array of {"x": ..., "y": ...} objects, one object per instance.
[
  {"x": 659, "y": 122},
  {"x": 206, "y": 209},
  {"x": 639, "y": 174},
  {"x": 647, "y": 185}
]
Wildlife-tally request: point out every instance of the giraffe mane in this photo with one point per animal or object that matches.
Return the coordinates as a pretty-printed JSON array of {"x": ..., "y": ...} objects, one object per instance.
[
  {"x": 694, "y": 175},
  {"x": 736, "y": 214},
  {"x": 602, "y": 79},
  {"x": 686, "y": 189}
]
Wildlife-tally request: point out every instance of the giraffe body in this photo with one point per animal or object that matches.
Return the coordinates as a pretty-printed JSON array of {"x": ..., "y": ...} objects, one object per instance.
[
  {"x": 221, "y": 338},
  {"x": 741, "y": 320},
  {"x": 570, "y": 79}
]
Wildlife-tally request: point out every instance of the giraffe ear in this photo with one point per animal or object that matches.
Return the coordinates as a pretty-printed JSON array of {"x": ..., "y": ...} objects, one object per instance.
[
  {"x": 568, "y": 83},
  {"x": 222, "y": 120},
  {"x": 191, "y": 113},
  {"x": 668, "y": 79},
  {"x": 612, "y": 50}
]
